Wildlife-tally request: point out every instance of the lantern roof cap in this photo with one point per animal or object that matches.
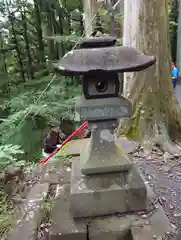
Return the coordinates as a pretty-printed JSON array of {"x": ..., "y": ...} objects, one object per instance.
[
  {"x": 108, "y": 59},
  {"x": 98, "y": 42}
]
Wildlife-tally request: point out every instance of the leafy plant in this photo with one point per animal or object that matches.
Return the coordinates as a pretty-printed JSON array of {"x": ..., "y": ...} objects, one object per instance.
[{"x": 9, "y": 156}]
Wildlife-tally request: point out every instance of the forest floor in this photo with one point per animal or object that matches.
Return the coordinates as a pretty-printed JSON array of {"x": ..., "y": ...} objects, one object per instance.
[{"x": 163, "y": 174}]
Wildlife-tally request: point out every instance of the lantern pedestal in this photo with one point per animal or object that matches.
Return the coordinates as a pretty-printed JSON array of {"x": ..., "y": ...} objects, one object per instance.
[
  {"x": 104, "y": 194},
  {"x": 101, "y": 154}
]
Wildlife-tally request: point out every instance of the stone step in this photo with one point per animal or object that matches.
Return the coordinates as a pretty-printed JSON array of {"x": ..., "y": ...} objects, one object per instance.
[
  {"x": 64, "y": 226},
  {"x": 154, "y": 225},
  {"x": 56, "y": 173},
  {"x": 31, "y": 217}
]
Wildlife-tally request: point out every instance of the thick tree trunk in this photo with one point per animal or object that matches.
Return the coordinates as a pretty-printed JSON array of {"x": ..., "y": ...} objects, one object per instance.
[
  {"x": 179, "y": 40},
  {"x": 131, "y": 13},
  {"x": 156, "y": 116},
  {"x": 90, "y": 9}
]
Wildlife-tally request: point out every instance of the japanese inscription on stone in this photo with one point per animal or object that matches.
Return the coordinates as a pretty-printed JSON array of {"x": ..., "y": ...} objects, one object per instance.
[{"x": 104, "y": 112}]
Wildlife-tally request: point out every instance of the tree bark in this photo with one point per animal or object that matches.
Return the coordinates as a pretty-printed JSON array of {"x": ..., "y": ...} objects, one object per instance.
[
  {"x": 131, "y": 13},
  {"x": 90, "y": 9},
  {"x": 16, "y": 46},
  {"x": 179, "y": 40},
  {"x": 156, "y": 116},
  {"x": 27, "y": 44},
  {"x": 173, "y": 19},
  {"x": 41, "y": 54}
]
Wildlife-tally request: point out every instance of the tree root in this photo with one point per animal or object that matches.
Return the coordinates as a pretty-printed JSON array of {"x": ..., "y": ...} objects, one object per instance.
[
  {"x": 156, "y": 135},
  {"x": 160, "y": 138}
]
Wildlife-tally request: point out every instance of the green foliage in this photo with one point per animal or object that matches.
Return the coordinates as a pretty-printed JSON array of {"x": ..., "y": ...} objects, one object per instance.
[
  {"x": 68, "y": 39},
  {"x": 173, "y": 20},
  {"x": 10, "y": 155},
  {"x": 32, "y": 111},
  {"x": 32, "y": 37},
  {"x": 6, "y": 216}
]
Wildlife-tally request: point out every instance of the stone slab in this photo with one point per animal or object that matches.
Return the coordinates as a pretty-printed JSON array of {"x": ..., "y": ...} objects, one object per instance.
[
  {"x": 30, "y": 220},
  {"x": 56, "y": 173},
  {"x": 75, "y": 147},
  {"x": 64, "y": 226},
  {"x": 111, "y": 228},
  {"x": 105, "y": 108},
  {"x": 130, "y": 227},
  {"x": 107, "y": 193},
  {"x": 154, "y": 225}
]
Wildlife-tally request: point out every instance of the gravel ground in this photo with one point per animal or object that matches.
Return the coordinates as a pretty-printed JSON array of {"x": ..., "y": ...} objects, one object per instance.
[{"x": 164, "y": 175}]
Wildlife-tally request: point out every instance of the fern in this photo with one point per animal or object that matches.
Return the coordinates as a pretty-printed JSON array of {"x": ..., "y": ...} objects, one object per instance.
[
  {"x": 9, "y": 155},
  {"x": 32, "y": 111}
]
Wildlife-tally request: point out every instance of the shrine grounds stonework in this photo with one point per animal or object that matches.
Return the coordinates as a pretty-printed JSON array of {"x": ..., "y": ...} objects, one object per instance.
[{"x": 62, "y": 223}]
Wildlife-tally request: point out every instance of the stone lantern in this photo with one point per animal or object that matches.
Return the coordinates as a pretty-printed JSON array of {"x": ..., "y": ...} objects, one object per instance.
[{"x": 104, "y": 180}]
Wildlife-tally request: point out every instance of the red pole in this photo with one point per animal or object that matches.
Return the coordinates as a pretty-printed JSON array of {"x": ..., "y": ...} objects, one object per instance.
[{"x": 65, "y": 142}]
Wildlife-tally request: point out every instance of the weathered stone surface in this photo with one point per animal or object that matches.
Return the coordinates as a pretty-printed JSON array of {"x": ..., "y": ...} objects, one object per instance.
[
  {"x": 107, "y": 193},
  {"x": 105, "y": 41},
  {"x": 154, "y": 224},
  {"x": 105, "y": 108},
  {"x": 56, "y": 172},
  {"x": 111, "y": 228},
  {"x": 64, "y": 226},
  {"x": 128, "y": 145},
  {"x": 27, "y": 226},
  {"x": 75, "y": 147},
  {"x": 115, "y": 59},
  {"x": 101, "y": 155},
  {"x": 130, "y": 227}
]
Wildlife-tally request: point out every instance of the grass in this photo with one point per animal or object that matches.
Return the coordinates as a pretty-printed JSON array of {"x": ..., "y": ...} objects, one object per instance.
[{"x": 7, "y": 219}]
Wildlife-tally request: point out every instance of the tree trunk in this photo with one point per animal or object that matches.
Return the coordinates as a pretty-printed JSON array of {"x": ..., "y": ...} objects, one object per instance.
[
  {"x": 81, "y": 19},
  {"x": 90, "y": 9},
  {"x": 18, "y": 52},
  {"x": 109, "y": 4},
  {"x": 3, "y": 56},
  {"x": 173, "y": 19},
  {"x": 55, "y": 28},
  {"x": 131, "y": 11},
  {"x": 179, "y": 40},
  {"x": 41, "y": 54},
  {"x": 60, "y": 28},
  {"x": 50, "y": 33},
  {"x": 27, "y": 45},
  {"x": 156, "y": 115}
]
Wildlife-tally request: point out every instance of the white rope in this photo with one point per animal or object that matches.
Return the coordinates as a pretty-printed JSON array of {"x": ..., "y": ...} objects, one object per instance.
[
  {"x": 53, "y": 78},
  {"x": 118, "y": 2}
]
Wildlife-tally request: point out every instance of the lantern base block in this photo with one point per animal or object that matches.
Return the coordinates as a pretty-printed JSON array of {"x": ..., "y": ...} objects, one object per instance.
[{"x": 107, "y": 193}]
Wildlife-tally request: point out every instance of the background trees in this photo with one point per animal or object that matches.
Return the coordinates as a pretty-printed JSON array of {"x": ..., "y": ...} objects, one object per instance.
[{"x": 33, "y": 35}]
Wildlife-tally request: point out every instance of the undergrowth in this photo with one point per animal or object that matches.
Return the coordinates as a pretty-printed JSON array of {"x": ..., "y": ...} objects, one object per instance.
[{"x": 7, "y": 215}]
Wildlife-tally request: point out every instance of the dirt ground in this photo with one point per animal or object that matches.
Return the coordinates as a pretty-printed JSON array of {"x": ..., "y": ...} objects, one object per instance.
[{"x": 164, "y": 175}]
